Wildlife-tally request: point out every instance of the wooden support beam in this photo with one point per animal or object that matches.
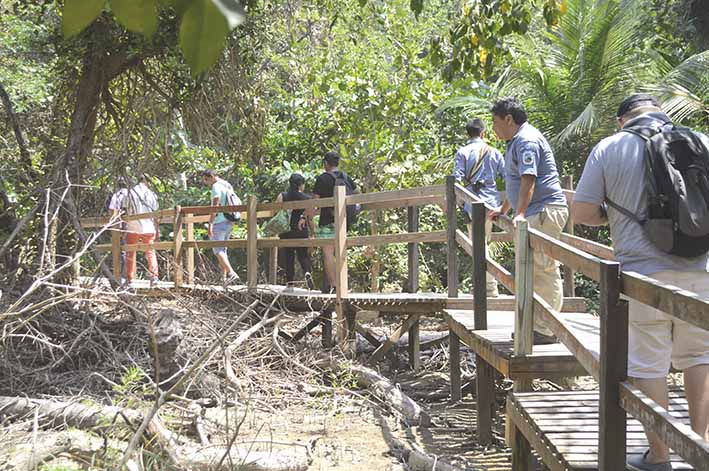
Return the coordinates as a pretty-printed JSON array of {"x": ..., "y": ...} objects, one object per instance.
[
  {"x": 393, "y": 339},
  {"x": 452, "y": 248},
  {"x": 614, "y": 366},
  {"x": 485, "y": 377},
  {"x": 326, "y": 320},
  {"x": 567, "y": 182},
  {"x": 413, "y": 287},
  {"x": 177, "y": 253},
  {"x": 341, "y": 286},
  {"x": 454, "y": 359},
  {"x": 376, "y": 263},
  {"x": 190, "y": 251},
  {"x": 116, "y": 258},
  {"x": 251, "y": 244},
  {"x": 273, "y": 266}
]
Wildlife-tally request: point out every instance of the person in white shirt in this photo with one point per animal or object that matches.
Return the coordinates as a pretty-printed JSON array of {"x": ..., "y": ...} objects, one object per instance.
[{"x": 141, "y": 199}]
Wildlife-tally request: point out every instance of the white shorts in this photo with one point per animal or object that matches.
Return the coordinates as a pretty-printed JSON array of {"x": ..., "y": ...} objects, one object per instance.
[{"x": 655, "y": 338}]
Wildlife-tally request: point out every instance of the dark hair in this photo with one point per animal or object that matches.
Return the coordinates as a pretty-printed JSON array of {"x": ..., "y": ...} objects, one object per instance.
[
  {"x": 295, "y": 181},
  {"x": 637, "y": 100},
  {"x": 475, "y": 127},
  {"x": 145, "y": 178},
  {"x": 510, "y": 106},
  {"x": 209, "y": 173},
  {"x": 332, "y": 158}
]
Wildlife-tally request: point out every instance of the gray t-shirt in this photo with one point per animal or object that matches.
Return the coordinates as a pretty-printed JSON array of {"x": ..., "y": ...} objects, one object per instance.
[
  {"x": 616, "y": 169},
  {"x": 529, "y": 153}
]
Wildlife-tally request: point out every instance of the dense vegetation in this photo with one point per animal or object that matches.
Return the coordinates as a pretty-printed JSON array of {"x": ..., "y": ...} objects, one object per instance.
[{"x": 387, "y": 83}]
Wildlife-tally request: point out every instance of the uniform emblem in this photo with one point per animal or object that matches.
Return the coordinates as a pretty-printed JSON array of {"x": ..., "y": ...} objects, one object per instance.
[{"x": 528, "y": 157}]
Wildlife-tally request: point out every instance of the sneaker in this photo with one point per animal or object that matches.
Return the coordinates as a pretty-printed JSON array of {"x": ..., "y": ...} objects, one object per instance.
[
  {"x": 309, "y": 281},
  {"x": 232, "y": 278},
  {"x": 493, "y": 294},
  {"x": 639, "y": 463}
]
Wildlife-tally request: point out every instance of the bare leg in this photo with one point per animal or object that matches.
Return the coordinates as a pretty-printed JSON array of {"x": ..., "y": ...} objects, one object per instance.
[
  {"x": 656, "y": 389},
  {"x": 223, "y": 260},
  {"x": 696, "y": 386},
  {"x": 328, "y": 255}
]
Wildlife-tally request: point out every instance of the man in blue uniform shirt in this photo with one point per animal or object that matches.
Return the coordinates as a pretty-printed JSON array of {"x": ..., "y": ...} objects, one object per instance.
[
  {"x": 534, "y": 193},
  {"x": 477, "y": 166}
]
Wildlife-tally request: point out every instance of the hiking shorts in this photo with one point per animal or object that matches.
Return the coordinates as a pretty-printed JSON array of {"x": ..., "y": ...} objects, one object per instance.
[
  {"x": 657, "y": 339},
  {"x": 221, "y": 231}
]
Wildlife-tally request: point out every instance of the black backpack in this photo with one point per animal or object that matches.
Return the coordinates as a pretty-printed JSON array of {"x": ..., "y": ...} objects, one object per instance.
[
  {"x": 353, "y": 210},
  {"x": 232, "y": 200},
  {"x": 677, "y": 167}
]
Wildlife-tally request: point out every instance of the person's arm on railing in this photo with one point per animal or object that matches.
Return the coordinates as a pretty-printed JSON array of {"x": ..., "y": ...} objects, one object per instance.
[
  {"x": 501, "y": 211},
  {"x": 526, "y": 190}
]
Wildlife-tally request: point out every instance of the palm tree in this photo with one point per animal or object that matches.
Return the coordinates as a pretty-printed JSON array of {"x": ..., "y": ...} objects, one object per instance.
[{"x": 684, "y": 91}]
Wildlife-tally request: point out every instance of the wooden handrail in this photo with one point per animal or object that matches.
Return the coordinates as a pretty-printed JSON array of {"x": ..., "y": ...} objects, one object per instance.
[
  {"x": 396, "y": 195},
  {"x": 570, "y": 256}
]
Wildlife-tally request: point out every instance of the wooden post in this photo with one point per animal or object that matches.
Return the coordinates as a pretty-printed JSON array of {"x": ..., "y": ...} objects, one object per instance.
[
  {"x": 567, "y": 182},
  {"x": 485, "y": 377},
  {"x": 524, "y": 334},
  {"x": 341, "y": 264},
  {"x": 452, "y": 248},
  {"x": 177, "y": 231},
  {"x": 376, "y": 264},
  {"x": 251, "y": 244},
  {"x": 116, "y": 236},
  {"x": 190, "y": 251},
  {"x": 413, "y": 265},
  {"x": 614, "y": 366},
  {"x": 273, "y": 266}
]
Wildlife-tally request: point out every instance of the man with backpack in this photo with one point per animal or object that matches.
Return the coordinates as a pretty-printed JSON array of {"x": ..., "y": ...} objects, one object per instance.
[
  {"x": 477, "y": 166},
  {"x": 534, "y": 193},
  {"x": 221, "y": 224},
  {"x": 650, "y": 236},
  {"x": 325, "y": 188}
]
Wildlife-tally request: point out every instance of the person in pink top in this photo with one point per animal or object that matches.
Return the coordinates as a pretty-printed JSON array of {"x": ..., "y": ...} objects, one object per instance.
[{"x": 141, "y": 199}]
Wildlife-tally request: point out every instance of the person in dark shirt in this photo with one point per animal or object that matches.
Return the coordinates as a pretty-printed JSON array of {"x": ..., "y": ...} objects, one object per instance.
[
  {"x": 325, "y": 188},
  {"x": 300, "y": 228}
]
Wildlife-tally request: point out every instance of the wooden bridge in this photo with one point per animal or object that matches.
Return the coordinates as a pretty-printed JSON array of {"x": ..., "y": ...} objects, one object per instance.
[{"x": 567, "y": 430}]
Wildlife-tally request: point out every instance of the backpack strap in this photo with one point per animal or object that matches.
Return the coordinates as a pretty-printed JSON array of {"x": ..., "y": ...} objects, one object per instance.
[
  {"x": 484, "y": 152},
  {"x": 623, "y": 211}
]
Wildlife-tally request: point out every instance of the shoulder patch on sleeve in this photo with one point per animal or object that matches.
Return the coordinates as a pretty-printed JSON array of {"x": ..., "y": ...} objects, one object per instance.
[{"x": 528, "y": 156}]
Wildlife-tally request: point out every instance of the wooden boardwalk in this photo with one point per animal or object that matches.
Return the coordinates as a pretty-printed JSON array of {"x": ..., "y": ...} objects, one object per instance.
[{"x": 563, "y": 427}]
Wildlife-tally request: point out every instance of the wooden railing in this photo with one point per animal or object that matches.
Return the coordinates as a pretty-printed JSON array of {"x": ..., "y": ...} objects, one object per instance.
[{"x": 617, "y": 396}]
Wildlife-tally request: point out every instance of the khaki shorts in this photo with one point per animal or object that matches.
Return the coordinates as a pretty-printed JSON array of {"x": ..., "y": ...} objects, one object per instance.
[{"x": 656, "y": 338}]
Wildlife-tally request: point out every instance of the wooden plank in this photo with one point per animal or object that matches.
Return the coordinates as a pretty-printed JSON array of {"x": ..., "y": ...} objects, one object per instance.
[
  {"x": 268, "y": 242},
  {"x": 581, "y": 348},
  {"x": 244, "y": 215},
  {"x": 209, "y": 244},
  {"x": 376, "y": 263},
  {"x": 144, "y": 247},
  {"x": 672, "y": 300},
  {"x": 414, "y": 346},
  {"x": 405, "y": 203},
  {"x": 570, "y": 256},
  {"x": 251, "y": 245},
  {"x": 524, "y": 281},
  {"x": 452, "y": 227},
  {"x": 678, "y": 436},
  {"x": 386, "y": 239},
  {"x": 613, "y": 368},
  {"x": 396, "y": 195},
  {"x": 464, "y": 242},
  {"x": 341, "y": 287},
  {"x": 454, "y": 360},
  {"x": 116, "y": 258},
  {"x": 567, "y": 182},
  {"x": 190, "y": 250},
  {"x": 393, "y": 339},
  {"x": 302, "y": 204},
  {"x": 273, "y": 265},
  {"x": 502, "y": 275},
  {"x": 178, "y": 255},
  {"x": 525, "y": 434},
  {"x": 594, "y": 248}
]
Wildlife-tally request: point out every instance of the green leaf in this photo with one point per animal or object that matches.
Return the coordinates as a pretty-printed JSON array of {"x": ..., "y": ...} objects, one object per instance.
[
  {"x": 232, "y": 11},
  {"x": 416, "y": 7},
  {"x": 202, "y": 33},
  {"x": 179, "y": 5},
  {"x": 140, "y": 16},
  {"x": 78, "y": 14}
]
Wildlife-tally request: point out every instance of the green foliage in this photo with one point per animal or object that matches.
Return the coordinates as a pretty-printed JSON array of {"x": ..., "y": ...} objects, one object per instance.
[{"x": 204, "y": 26}]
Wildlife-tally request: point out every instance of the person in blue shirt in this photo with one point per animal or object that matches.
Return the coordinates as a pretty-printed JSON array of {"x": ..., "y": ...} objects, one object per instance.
[
  {"x": 477, "y": 166},
  {"x": 534, "y": 193}
]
